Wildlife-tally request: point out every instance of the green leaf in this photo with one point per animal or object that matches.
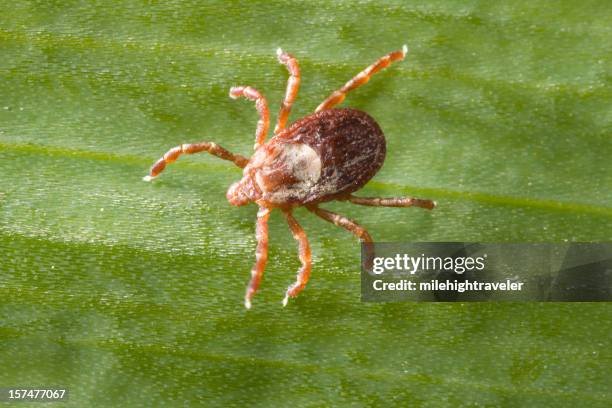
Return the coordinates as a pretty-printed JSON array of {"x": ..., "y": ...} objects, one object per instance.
[{"x": 130, "y": 294}]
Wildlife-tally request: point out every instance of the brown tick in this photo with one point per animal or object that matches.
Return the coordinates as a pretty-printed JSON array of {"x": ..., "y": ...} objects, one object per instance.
[{"x": 325, "y": 156}]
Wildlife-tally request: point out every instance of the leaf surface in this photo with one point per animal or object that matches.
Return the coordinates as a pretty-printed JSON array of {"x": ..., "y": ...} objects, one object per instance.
[{"x": 130, "y": 294}]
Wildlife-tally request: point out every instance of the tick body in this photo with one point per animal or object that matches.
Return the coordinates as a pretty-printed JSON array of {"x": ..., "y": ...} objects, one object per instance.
[
  {"x": 322, "y": 157},
  {"x": 325, "y": 156}
]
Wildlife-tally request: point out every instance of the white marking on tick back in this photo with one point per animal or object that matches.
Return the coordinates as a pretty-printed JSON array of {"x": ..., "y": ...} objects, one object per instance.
[
  {"x": 304, "y": 161},
  {"x": 296, "y": 160}
]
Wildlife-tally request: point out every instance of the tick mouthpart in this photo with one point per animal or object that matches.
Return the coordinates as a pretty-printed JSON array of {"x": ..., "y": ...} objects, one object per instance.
[
  {"x": 286, "y": 300},
  {"x": 148, "y": 178},
  {"x": 279, "y": 52},
  {"x": 247, "y": 304},
  {"x": 404, "y": 49},
  {"x": 236, "y": 196}
]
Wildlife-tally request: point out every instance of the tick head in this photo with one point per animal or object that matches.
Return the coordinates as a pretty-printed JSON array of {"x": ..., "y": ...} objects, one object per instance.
[
  {"x": 244, "y": 191},
  {"x": 237, "y": 193}
]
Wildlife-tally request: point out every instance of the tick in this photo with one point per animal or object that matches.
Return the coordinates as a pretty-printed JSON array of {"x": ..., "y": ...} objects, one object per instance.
[{"x": 322, "y": 157}]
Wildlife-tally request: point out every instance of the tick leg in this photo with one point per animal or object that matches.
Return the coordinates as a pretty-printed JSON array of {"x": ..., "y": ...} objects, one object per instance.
[
  {"x": 343, "y": 222},
  {"x": 304, "y": 251},
  {"x": 261, "y": 255},
  {"x": 350, "y": 226},
  {"x": 393, "y": 202},
  {"x": 361, "y": 78},
  {"x": 263, "y": 124},
  {"x": 293, "y": 84},
  {"x": 191, "y": 148}
]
